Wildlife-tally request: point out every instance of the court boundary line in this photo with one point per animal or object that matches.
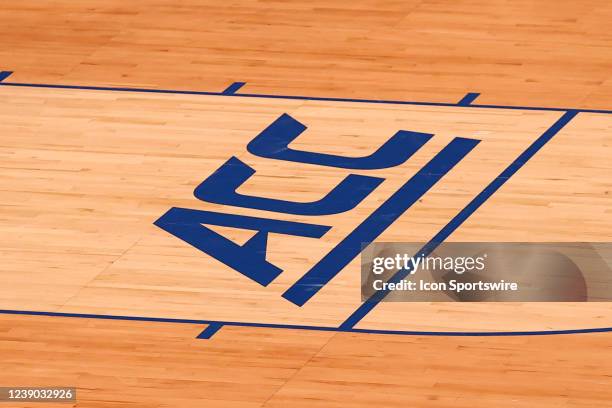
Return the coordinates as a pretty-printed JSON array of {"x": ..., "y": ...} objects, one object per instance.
[
  {"x": 233, "y": 93},
  {"x": 357, "y": 315},
  {"x": 217, "y": 324}
]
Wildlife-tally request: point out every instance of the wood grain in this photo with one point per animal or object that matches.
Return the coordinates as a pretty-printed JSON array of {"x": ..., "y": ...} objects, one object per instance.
[
  {"x": 88, "y": 172},
  {"x": 144, "y": 364},
  {"x": 84, "y": 174},
  {"x": 521, "y": 52}
]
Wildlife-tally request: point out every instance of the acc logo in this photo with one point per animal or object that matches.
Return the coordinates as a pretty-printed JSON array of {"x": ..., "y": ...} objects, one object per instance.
[{"x": 272, "y": 143}]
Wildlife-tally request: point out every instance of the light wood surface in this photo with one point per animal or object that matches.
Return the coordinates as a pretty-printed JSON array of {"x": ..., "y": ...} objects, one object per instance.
[
  {"x": 88, "y": 172},
  {"x": 83, "y": 175},
  {"x": 143, "y": 364},
  {"x": 521, "y": 52}
]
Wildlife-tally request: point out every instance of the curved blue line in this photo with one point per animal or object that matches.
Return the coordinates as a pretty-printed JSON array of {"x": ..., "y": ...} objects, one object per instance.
[{"x": 219, "y": 323}]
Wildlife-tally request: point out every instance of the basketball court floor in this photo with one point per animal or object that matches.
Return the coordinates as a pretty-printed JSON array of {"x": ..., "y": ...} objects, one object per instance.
[{"x": 160, "y": 244}]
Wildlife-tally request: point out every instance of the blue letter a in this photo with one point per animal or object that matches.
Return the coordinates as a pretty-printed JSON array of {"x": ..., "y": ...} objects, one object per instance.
[{"x": 248, "y": 259}]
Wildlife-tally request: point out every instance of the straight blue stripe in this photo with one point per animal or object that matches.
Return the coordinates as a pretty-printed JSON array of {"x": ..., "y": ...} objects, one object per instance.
[
  {"x": 374, "y": 225},
  {"x": 464, "y": 214},
  {"x": 305, "y": 98},
  {"x": 4, "y": 75},
  {"x": 210, "y": 330},
  {"x": 303, "y": 327},
  {"x": 106, "y": 88},
  {"x": 233, "y": 88},
  {"x": 468, "y": 99}
]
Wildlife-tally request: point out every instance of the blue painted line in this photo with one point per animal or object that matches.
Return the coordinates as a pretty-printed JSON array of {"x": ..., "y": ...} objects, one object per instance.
[
  {"x": 105, "y": 88},
  {"x": 233, "y": 88},
  {"x": 4, "y": 75},
  {"x": 464, "y": 214},
  {"x": 305, "y": 327},
  {"x": 304, "y": 98},
  {"x": 483, "y": 334},
  {"x": 468, "y": 99},
  {"x": 210, "y": 330},
  {"x": 377, "y": 222}
]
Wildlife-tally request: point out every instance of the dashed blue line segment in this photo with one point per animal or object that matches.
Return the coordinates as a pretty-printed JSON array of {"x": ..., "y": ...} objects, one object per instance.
[
  {"x": 4, "y": 75},
  {"x": 210, "y": 330},
  {"x": 233, "y": 88},
  {"x": 468, "y": 99}
]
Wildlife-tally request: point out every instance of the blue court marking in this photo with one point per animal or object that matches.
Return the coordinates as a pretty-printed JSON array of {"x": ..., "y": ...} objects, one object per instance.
[
  {"x": 293, "y": 97},
  {"x": 4, "y": 75},
  {"x": 221, "y": 188},
  {"x": 460, "y": 218},
  {"x": 468, "y": 99},
  {"x": 210, "y": 330},
  {"x": 220, "y": 323},
  {"x": 464, "y": 214},
  {"x": 273, "y": 143},
  {"x": 249, "y": 259},
  {"x": 377, "y": 222},
  {"x": 233, "y": 88}
]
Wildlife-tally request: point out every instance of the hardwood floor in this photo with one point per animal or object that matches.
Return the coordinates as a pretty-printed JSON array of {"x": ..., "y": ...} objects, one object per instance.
[
  {"x": 513, "y": 52},
  {"x": 144, "y": 364},
  {"x": 84, "y": 174}
]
